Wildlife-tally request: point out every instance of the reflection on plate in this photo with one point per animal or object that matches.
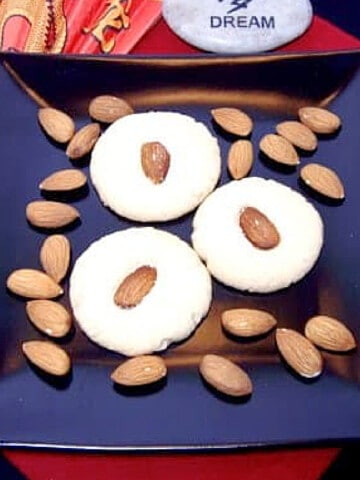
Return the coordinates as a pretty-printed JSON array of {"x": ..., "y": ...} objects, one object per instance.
[{"x": 88, "y": 411}]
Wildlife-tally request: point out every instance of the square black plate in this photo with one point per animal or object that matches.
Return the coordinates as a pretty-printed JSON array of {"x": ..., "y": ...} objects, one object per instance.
[{"x": 87, "y": 411}]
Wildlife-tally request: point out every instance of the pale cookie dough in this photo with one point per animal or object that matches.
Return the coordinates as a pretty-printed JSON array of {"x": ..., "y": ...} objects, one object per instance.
[
  {"x": 233, "y": 259},
  {"x": 171, "y": 310},
  {"x": 117, "y": 174}
]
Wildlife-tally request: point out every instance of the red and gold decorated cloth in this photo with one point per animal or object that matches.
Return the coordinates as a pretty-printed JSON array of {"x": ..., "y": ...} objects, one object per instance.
[{"x": 76, "y": 26}]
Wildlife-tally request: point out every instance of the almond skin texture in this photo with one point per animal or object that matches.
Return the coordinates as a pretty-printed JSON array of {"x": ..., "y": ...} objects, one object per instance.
[
  {"x": 47, "y": 214},
  {"x": 319, "y": 120},
  {"x": 330, "y": 334},
  {"x": 258, "y": 229},
  {"x": 299, "y": 352},
  {"x": 155, "y": 161},
  {"x": 49, "y": 317},
  {"x": 240, "y": 159},
  {"x": 298, "y": 134},
  {"x": 225, "y": 376},
  {"x": 323, "y": 180},
  {"x": 64, "y": 181},
  {"x": 57, "y": 124},
  {"x": 279, "y": 149},
  {"x": 108, "y": 108},
  {"x": 141, "y": 370},
  {"x": 135, "y": 286},
  {"x": 55, "y": 255},
  {"x": 246, "y": 322},
  {"x": 83, "y": 141},
  {"x": 30, "y": 283},
  {"x": 47, "y": 356},
  {"x": 233, "y": 120}
]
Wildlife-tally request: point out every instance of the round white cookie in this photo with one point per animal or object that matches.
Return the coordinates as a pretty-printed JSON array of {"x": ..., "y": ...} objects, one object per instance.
[
  {"x": 117, "y": 174},
  {"x": 233, "y": 259},
  {"x": 170, "y": 312}
]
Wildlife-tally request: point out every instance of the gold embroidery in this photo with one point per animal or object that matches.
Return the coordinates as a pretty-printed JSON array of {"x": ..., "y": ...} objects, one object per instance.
[
  {"x": 46, "y": 18},
  {"x": 116, "y": 16}
]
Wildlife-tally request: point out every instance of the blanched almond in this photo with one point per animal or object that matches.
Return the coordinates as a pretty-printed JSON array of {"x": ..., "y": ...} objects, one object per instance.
[
  {"x": 135, "y": 286},
  {"x": 279, "y": 149},
  {"x": 240, "y": 159},
  {"x": 258, "y": 229},
  {"x": 83, "y": 141},
  {"x": 55, "y": 256},
  {"x": 247, "y": 322},
  {"x": 225, "y": 376},
  {"x": 155, "y": 161},
  {"x": 141, "y": 370},
  {"x": 108, "y": 108},
  {"x": 50, "y": 317},
  {"x": 57, "y": 124},
  {"x": 329, "y": 333},
  {"x": 64, "y": 181},
  {"x": 48, "y": 214},
  {"x": 319, "y": 120},
  {"x": 299, "y": 352},
  {"x": 30, "y": 283},
  {"x": 323, "y": 180},
  {"x": 298, "y": 134},
  {"x": 233, "y": 120},
  {"x": 47, "y": 356}
]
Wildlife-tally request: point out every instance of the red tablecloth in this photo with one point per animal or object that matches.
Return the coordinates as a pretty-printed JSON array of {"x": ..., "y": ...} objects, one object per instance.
[
  {"x": 296, "y": 464},
  {"x": 289, "y": 464},
  {"x": 321, "y": 35}
]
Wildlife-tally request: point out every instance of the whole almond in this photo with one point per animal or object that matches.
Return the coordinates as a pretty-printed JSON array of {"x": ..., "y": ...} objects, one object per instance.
[
  {"x": 55, "y": 255},
  {"x": 299, "y": 352},
  {"x": 57, "y": 124},
  {"x": 329, "y": 333},
  {"x": 240, "y": 159},
  {"x": 247, "y": 322},
  {"x": 225, "y": 376},
  {"x": 83, "y": 141},
  {"x": 258, "y": 229},
  {"x": 323, "y": 180},
  {"x": 135, "y": 287},
  {"x": 141, "y": 370},
  {"x": 49, "y": 317},
  {"x": 155, "y": 161},
  {"x": 31, "y": 283},
  {"x": 298, "y": 134},
  {"x": 279, "y": 149},
  {"x": 48, "y": 214},
  {"x": 64, "y": 181},
  {"x": 47, "y": 356},
  {"x": 319, "y": 120},
  {"x": 233, "y": 120},
  {"x": 108, "y": 108}
]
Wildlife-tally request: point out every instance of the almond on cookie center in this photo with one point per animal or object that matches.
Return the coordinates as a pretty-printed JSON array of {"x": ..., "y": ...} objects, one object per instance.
[
  {"x": 135, "y": 286},
  {"x": 258, "y": 229},
  {"x": 155, "y": 161}
]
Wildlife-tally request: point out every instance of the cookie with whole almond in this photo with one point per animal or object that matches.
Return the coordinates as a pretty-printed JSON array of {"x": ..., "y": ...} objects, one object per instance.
[
  {"x": 257, "y": 235},
  {"x": 155, "y": 166},
  {"x": 133, "y": 291}
]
